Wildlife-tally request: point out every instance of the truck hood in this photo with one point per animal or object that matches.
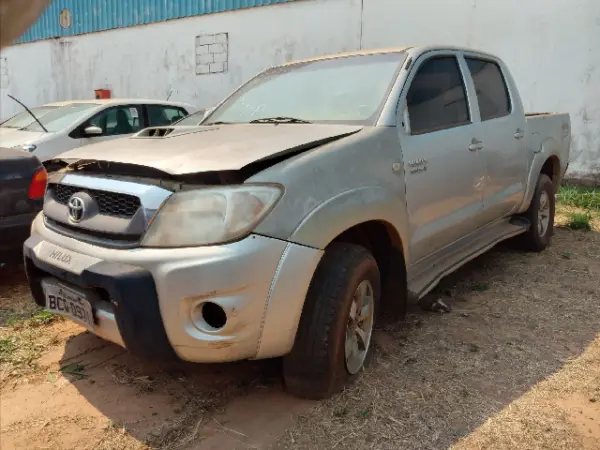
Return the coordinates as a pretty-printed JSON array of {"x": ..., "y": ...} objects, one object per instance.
[
  {"x": 186, "y": 150},
  {"x": 12, "y": 138}
]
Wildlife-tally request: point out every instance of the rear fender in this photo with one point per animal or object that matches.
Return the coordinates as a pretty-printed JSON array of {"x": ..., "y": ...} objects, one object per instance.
[{"x": 549, "y": 147}]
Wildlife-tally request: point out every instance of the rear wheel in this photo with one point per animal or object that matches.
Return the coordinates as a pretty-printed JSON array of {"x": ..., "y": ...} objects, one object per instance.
[
  {"x": 541, "y": 216},
  {"x": 333, "y": 342}
]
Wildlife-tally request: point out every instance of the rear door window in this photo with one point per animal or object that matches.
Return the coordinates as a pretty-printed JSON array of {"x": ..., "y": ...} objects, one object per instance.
[
  {"x": 492, "y": 92},
  {"x": 437, "y": 97},
  {"x": 159, "y": 115}
]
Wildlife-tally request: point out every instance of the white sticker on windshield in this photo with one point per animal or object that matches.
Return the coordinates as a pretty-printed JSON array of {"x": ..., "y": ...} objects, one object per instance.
[{"x": 134, "y": 112}]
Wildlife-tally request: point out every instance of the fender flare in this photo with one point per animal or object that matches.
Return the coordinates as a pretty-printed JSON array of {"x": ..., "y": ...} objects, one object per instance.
[
  {"x": 350, "y": 208},
  {"x": 550, "y": 147}
]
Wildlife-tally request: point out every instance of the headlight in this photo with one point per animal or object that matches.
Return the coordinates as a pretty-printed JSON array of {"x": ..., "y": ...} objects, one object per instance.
[
  {"x": 211, "y": 215},
  {"x": 26, "y": 147}
]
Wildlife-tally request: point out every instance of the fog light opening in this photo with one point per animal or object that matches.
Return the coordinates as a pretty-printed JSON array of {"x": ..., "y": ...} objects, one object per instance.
[{"x": 214, "y": 315}]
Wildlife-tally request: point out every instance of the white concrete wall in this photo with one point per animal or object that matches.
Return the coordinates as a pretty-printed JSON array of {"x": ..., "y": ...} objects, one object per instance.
[
  {"x": 152, "y": 60},
  {"x": 552, "y": 47}
]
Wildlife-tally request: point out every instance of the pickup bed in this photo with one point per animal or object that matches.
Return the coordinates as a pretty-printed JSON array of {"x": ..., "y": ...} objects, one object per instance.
[{"x": 315, "y": 198}]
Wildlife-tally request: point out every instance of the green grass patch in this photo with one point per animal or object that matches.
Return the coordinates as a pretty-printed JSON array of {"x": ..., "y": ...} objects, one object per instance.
[
  {"x": 587, "y": 198},
  {"x": 579, "y": 220},
  {"x": 42, "y": 318},
  {"x": 481, "y": 287}
]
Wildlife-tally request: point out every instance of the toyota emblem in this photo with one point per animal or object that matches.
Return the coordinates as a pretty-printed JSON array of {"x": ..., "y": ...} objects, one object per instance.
[{"x": 76, "y": 209}]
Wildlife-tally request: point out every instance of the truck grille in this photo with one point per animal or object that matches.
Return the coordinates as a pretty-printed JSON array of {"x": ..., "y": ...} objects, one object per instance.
[{"x": 109, "y": 203}]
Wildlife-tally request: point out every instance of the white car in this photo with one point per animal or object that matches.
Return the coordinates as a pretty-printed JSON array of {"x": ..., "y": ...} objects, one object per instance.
[
  {"x": 22, "y": 119},
  {"x": 72, "y": 124}
]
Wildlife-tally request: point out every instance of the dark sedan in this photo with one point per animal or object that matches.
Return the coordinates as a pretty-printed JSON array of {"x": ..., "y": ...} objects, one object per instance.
[{"x": 23, "y": 182}]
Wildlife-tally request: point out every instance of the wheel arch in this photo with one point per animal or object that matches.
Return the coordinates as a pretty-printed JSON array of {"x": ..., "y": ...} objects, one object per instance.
[{"x": 383, "y": 241}]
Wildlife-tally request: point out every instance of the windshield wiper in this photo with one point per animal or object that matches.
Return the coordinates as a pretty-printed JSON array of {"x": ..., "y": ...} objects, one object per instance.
[
  {"x": 279, "y": 120},
  {"x": 215, "y": 123},
  {"x": 30, "y": 113}
]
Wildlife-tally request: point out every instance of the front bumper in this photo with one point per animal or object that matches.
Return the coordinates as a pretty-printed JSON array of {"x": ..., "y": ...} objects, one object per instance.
[{"x": 147, "y": 299}]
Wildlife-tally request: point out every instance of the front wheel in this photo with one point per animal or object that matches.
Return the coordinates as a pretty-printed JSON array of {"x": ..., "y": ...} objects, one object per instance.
[
  {"x": 333, "y": 342},
  {"x": 541, "y": 216}
]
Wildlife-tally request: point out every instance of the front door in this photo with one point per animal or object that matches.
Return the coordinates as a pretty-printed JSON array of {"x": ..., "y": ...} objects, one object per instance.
[
  {"x": 115, "y": 122},
  {"x": 444, "y": 169}
]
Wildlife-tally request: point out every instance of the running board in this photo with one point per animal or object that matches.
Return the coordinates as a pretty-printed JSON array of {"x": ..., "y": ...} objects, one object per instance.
[
  {"x": 521, "y": 221},
  {"x": 428, "y": 272}
]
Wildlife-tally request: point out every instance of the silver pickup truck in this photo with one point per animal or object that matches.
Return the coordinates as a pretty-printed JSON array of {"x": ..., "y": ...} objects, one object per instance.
[{"x": 319, "y": 195}]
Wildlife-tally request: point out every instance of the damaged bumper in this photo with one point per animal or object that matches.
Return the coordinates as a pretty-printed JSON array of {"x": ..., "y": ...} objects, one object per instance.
[{"x": 153, "y": 301}]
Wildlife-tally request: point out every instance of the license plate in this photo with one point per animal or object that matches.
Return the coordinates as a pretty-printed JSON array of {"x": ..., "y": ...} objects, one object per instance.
[{"x": 68, "y": 302}]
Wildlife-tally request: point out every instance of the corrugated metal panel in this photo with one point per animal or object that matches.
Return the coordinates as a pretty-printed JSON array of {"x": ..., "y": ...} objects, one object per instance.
[{"x": 88, "y": 16}]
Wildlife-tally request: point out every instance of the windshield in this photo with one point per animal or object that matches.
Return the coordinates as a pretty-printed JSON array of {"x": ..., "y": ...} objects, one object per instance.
[
  {"x": 339, "y": 90},
  {"x": 62, "y": 117},
  {"x": 24, "y": 118},
  {"x": 191, "y": 120}
]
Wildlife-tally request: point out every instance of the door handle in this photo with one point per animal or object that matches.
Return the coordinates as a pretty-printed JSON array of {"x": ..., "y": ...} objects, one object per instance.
[
  {"x": 475, "y": 145},
  {"x": 520, "y": 134}
]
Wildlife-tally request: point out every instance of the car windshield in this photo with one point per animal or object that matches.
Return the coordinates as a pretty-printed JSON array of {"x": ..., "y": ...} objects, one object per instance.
[
  {"x": 191, "y": 120},
  {"x": 24, "y": 118},
  {"x": 337, "y": 90},
  {"x": 62, "y": 117}
]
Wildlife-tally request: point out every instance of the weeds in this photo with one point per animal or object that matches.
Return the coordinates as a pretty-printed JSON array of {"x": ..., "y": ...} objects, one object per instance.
[
  {"x": 23, "y": 343},
  {"x": 578, "y": 208},
  {"x": 577, "y": 220},
  {"x": 580, "y": 197},
  {"x": 43, "y": 318}
]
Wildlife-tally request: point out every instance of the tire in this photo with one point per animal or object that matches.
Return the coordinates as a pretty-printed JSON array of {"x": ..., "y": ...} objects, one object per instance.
[
  {"x": 538, "y": 237},
  {"x": 317, "y": 366}
]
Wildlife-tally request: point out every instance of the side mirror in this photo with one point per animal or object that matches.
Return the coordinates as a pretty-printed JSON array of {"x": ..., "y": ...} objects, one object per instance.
[{"x": 92, "y": 131}]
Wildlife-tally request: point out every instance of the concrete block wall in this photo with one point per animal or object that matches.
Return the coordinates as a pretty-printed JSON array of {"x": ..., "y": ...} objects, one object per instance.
[{"x": 212, "y": 51}]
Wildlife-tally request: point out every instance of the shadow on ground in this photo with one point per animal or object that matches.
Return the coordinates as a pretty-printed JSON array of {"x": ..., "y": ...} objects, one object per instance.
[{"x": 163, "y": 404}]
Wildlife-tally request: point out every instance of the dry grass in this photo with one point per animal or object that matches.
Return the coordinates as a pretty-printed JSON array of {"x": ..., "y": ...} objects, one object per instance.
[
  {"x": 559, "y": 413},
  {"x": 23, "y": 338},
  {"x": 514, "y": 366},
  {"x": 509, "y": 368}
]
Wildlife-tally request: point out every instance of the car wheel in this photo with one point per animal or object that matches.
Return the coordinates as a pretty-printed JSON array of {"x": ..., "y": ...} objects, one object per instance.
[
  {"x": 334, "y": 337},
  {"x": 541, "y": 216}
]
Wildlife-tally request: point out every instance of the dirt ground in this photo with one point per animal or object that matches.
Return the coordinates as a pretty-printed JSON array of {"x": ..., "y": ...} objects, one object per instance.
[{"x": 515, "y": 365}]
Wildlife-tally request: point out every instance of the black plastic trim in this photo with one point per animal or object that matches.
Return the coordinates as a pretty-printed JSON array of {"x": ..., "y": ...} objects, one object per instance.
[{"x": 131, "y": 291}]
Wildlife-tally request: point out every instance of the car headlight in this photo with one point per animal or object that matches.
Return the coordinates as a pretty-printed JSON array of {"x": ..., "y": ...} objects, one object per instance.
[
  {"x": 211, "y": 216},
  {"x": 26, "y": 147},
  {"x": 29, "y": 147}
]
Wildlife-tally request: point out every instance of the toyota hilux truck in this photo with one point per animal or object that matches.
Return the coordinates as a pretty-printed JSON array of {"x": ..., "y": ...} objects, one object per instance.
[{"x": 318, "y": 196}]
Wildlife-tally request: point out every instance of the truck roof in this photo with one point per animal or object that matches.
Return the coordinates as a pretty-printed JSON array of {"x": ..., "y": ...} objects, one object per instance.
[{"x": 417, "y": 49}]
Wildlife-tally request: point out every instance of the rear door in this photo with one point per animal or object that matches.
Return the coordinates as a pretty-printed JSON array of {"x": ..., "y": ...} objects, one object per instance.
[
  {"x": 443, "y": 167},
  {"x": 502, "y": 132}
]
